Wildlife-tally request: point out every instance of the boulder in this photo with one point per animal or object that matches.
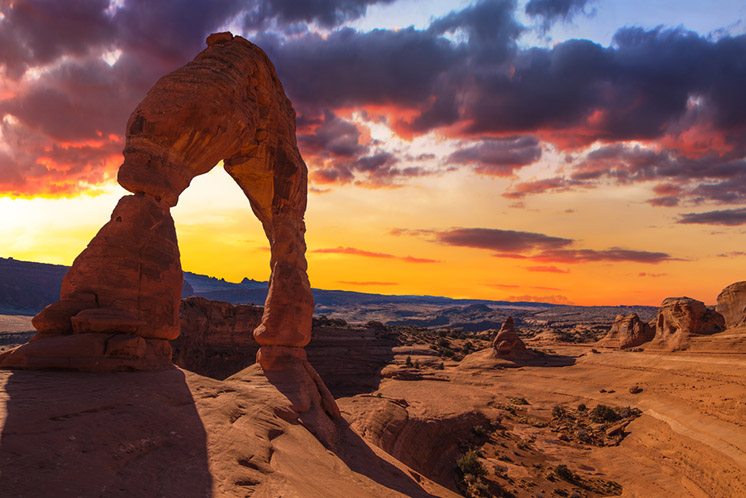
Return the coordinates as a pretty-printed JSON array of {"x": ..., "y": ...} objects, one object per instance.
[
  {"x": 732, "y": 304},
  {"x": 506, "y": 342},
  {"x": 627, "y": 331},
  {"x": 680, "y": 318}
]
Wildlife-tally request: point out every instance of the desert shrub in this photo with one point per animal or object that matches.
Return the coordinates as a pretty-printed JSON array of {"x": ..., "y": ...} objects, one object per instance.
[
  {"x": 480, "y": 431},
  {"x": 563, "y": 472},
  {"x": 628, "y": 412},
  {"x": 584, "y": 436},
  {"x": 440, "y": 366},
  {"x": 375, "y": 325},
  {"x": 408, "y": 362},
  {"x": 582, "y": 407},
  {"x": 416, "y": 364},
  {"x": 558, "y": 411},
  {"x": 519, "y": 401},
  {"x": 443, "y": 342},
  {"x": 603, "y": 413},
  {"x": 447, "y": 352},
  {"x": 469, "y": 464}
]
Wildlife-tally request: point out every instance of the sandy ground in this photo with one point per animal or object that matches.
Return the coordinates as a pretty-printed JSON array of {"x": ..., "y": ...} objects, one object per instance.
[{"x": 689, "y": 441}]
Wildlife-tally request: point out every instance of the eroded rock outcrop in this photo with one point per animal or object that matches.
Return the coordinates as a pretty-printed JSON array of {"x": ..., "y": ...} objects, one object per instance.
[
  {"x": 227, "y": 104},
  {"x": 216, "y": 340},
  {"x": 732, "y": 304},
  {"x": 507, "y": 343},
  {"x": 680, "y": 318},
  {"x": 628, "y": 331},
  {"x": 119, "y": 302}
]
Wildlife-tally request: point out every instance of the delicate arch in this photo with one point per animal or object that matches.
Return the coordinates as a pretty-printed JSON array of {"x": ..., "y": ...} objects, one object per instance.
[{"x": 119, "y": 303}]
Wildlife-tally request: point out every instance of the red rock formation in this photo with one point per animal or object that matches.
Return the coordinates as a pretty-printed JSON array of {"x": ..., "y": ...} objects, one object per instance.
[
  {"x": 227, "y": 104},
  {"x": 732, "y": 304},
  {"x": 216, "y": 341},
  {"x": 680, "y": 318},
  {"x": 507, "y": 343},
  {"x": 627, "y": 331},
  {"x": 216, "y": 337}
]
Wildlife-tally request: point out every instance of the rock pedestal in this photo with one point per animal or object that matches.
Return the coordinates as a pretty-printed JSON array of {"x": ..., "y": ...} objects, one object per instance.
[{"x": 507, "y": 344}]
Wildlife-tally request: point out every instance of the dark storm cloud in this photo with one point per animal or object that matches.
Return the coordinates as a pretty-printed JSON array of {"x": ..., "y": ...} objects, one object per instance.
[
  {"x": 499, "y": 157},
  {"x": 712, "y": 177},
  {"x": 464, "y": 75},
  {"x": 333, "y": 136},
  {"x": 729, "y": 217},
  {"x": 351, "y": 68},
  {"x": 550, "y": 11},
  {"x": 328, "y": 13}
]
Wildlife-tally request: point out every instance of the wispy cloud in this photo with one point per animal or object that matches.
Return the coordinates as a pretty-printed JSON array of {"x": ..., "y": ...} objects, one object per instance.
[
  {"x": 728, "y": 217},
  {"x": 353, "y": 251}
]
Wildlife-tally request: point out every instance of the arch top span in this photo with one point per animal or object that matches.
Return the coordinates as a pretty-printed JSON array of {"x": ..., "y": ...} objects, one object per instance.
[{"x": 119, "y": 303}]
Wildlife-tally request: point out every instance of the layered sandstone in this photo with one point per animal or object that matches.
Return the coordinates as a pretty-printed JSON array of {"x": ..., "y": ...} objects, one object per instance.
[
  {"x": 225, "y": 105},
  {"x": 681, "y": 318},
  {"x": 732, "y": 304},
  {"x": 627, "y": 331},
  {"x": 216, "y": 340}
]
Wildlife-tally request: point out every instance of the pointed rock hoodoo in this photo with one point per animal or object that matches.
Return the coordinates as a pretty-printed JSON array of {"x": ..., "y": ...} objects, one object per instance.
[
  {"x": 627, "y": 331},
  {"x": 732, "y": 304},
  {"x": 680, "y": 318},
  {"x": 507, "y": 343}
]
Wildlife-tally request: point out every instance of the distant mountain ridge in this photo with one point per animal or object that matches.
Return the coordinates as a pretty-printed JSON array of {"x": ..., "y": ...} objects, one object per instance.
[{"x": 26, "y": 287}]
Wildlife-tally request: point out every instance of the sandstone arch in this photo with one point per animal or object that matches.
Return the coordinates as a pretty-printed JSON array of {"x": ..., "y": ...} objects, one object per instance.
[{"x": 119, "y": 302}]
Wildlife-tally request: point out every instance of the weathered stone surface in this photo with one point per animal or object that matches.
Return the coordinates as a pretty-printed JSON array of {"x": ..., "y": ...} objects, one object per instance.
[
  {"x": 506, "y": 342},
  {"x": 226, "y": 105},
  {"x": 216, "y": 341},
  {"x": 680, "y": 318},
  {"x": 127, "y": 280},
  {"x": 732, "y": 304},
  {"x": 627, "y": 331},
  {"x": 91, "y": 353}
]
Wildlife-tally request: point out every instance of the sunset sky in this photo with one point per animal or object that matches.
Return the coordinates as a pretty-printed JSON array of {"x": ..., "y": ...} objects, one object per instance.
[{"x": 568, "y": 151}]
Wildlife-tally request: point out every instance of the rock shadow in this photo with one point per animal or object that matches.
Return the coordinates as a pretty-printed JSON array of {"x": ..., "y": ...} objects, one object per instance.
[
  {"x": 125, "y": 434},
  {"x": 360, "y": 458}
]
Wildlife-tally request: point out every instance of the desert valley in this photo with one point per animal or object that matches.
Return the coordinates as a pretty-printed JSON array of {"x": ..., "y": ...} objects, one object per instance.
[
  {"x": 372, "y": 248},
  {"x": 561, "y": 401}
]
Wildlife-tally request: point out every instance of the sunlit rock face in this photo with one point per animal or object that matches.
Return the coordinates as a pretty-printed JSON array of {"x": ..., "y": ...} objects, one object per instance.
[
  {"x": 732, "y": 304},
  {"x": 507, "y": 343},
  {"x": 680, "y": 318},
  {"x": 227, "y": 104},
  {"x": 628, "y": 331}
]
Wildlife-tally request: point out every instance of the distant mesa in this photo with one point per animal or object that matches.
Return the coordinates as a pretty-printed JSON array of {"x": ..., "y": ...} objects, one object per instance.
[
  {"x": 732, "y": 304},
  {"x": 681, "y": 318},
  {"x": 628, "y": 331}
]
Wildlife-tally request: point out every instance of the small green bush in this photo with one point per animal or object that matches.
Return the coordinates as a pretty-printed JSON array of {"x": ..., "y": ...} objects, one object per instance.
[
  {"x": 469, "y": 464},
  {"x": 563, "y": 472},
  {"x": 558, "y": 411},
  {"x": 603, "y": 413}
]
